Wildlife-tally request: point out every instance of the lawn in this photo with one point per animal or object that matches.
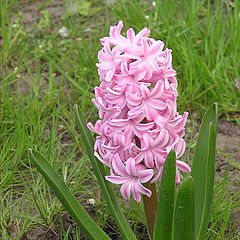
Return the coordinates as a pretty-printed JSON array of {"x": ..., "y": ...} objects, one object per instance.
[{"x": 48, "y": 64}]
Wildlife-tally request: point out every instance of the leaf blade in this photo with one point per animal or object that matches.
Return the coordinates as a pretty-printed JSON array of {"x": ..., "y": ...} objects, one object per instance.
[
  {"x": 66, "y": 197},
  {"x": 100, "y": 172},
  {"x": 165, "y": 210},
  {"x": 184, "y": 227},
  {"x": 203, "y": 170}
]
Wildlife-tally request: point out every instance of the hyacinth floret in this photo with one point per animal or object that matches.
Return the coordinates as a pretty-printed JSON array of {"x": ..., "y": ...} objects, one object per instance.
[{"x": 137, "y": 103}]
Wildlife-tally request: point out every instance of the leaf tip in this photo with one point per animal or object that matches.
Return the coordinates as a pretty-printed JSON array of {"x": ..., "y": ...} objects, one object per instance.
[{"x": 172, "y": 153}]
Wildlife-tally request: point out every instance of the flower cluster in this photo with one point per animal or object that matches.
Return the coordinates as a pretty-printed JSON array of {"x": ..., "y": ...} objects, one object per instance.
[{"x": 136, "y": 99}]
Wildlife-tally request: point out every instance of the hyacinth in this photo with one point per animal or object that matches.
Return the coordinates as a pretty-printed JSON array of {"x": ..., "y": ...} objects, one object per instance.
[{"x": 136, "y": 100}]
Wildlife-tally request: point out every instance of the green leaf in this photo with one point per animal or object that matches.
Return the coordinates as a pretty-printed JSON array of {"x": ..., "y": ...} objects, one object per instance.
[
  {"x": 203, "y": 170},
  {"x": 65, "y": 196},
  {"x": 184, "y": 228},
  {"x": 100, "y": 174},
  {"x": 165, "y": 209}
]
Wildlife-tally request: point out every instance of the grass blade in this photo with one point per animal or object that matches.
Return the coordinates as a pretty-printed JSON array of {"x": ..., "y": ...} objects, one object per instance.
[
  {"x": 100, "y": 172},
  {"x": 184, "y": 228},
  {"x": 165, "y": 210},
  {"x": 203, "y": 170},
  {"x": 65, "y": 196}
]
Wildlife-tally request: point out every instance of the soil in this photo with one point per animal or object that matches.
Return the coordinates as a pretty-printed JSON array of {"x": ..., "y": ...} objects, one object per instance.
[
  {"x": 31, "y": 11},
  {"x": 228, "y": 141}
]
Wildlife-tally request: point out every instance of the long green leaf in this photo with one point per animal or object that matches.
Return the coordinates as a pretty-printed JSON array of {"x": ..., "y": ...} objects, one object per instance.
[
  {"x": 100, "y": 172},
  {"x": 65, "y": 196},
  {"x": 203, "y": 170},
  {"x": 165, "y": 210},
  {"x": 184, "y": 228}
]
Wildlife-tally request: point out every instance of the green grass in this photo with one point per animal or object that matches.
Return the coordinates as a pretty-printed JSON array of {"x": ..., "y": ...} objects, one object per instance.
[{"x": 44, "y": 75}]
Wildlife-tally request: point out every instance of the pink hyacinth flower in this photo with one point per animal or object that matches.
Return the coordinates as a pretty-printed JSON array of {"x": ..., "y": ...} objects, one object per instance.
[
  {"x": 137, "y": 99},
  {"x": 131, "y": 176}
]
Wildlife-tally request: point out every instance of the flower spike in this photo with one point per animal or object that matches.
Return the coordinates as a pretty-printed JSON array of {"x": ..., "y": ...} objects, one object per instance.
[{"x": 137, "y": 99}]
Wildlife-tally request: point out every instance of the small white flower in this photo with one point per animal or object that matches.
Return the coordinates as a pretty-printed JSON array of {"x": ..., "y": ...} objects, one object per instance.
[
  {"x": 91, "y": 201},
  {"x": 87, "y": 30},
  {"x": 14, "y": 25},
  {"x": 60, "y": 128},
  {"x": 40, "y": 46},
  {"x": 63, "y": 32},
  {"x": 154, "y": 4},
  {"x": 147, "y": 17}
]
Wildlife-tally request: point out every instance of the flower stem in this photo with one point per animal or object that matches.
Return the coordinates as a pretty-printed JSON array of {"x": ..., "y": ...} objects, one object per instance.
[{"x": 150, "y": 207}]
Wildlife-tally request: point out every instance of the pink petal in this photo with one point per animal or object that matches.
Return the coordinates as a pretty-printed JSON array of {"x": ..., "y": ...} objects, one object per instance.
[
  {"x": 133, "y": 99},
  {"x": 139, "y": 158},
  {"x": 138, "y": 117},
  {"x": 133, "y": 52},
  {"x": 145, "y": 46},
  {"x": 183, "y": 122},
  {"x": 149, "y": 159},
  {"x": 143, "y": 33},
  {"x": 158, "y": 175},
  {"x": 128, "y": 132},
  {"x": 110, "y": 74},
  {"x": 118, "y": 122},
  {"x": 157, "y": 104},
  {"x": 135, "y": 111},
  {"x": 110, "y": 148},
  {"x": 143, "y": 190},
  {"x": 163, "y": 138},
  {"x": 130, "y": 167},
  {"x": 111, "y": 91},
  {"x": 160, "y": 159},
  {"x": 139, "y": 129},
  {"x": 153, "y": 64},
  {"x": 180, "y": 147},
  {"x": 147, "y": 141},
  {"x": 130, "y": 34},
  {"x": 136, "y": 194},
  {"x": 151, "y": 113},
  {"x": 119, "y": 138},
  {"x": 178, "y": 179},
  {"x": 145, "y": 175},
  {"x": 117, "y": 179},
  {"x": 156, "y": 48},
  {"x": 170, "y": 73},
  {"x": 125, "y": 190},
  {"x": 100, "y": 159},
  {"x": 118, "y": 165},
  {"x": 145, "y": 92},
  {"x": 92, "y": 128},
  {"x": 183, "y": 166},
  {"x": 139, "y": 71},
  {"x": 157, "y": 91}
]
